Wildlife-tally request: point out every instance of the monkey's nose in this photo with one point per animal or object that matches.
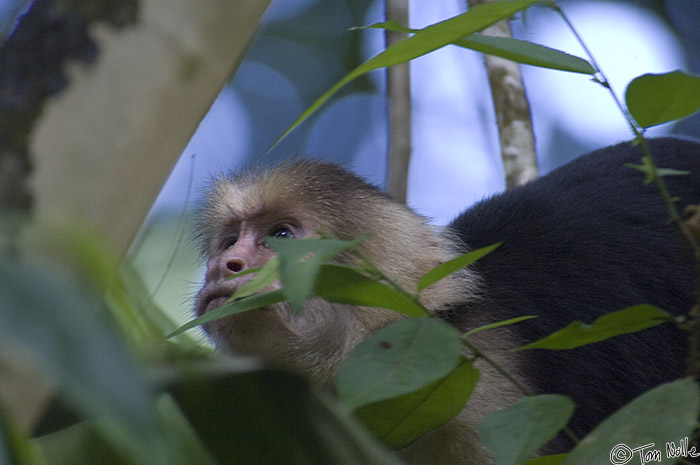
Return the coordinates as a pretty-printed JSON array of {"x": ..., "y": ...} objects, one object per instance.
[{"x": 235, "y": 265}]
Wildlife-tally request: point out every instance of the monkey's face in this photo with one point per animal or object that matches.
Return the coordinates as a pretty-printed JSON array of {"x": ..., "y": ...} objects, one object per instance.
[
  {"x": 242, "y": 246},
  {"x": 295, "y": 201}
]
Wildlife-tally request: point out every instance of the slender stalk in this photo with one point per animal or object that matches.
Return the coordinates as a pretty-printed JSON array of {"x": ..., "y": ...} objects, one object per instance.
[
  {"x": 639, "y": 137},
  {"x": 478, "y": 353},
  {"x": 398, "y": 108}
]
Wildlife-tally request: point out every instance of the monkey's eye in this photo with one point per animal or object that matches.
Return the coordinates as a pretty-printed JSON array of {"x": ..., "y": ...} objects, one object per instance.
[
  {"x": 229, "y": 242},
  {"x": 282, "y": 233}
]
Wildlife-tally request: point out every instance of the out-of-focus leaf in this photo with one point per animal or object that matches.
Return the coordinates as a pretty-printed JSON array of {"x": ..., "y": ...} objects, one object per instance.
[
  {"x": 348, "y": 286},
  {"x": 270, "y": 417},
  {"x": 398, "y": 359},
  {"x": 666, "y": 414},
  {"x": 659, "y": 98},
  {"x": 87, "y": 443},
  {"x": 628, "y": 320},
  {"x": 15, "y": 448},
  {"x": 515, "y": 433},
  {"x": 400, "y": 421},
  {"x": 554, "y": 459},
  {"x": 60, "y": 322}
]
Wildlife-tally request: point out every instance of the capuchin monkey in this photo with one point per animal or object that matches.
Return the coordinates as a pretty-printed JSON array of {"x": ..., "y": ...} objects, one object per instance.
[{"x": 587, "y": 239}]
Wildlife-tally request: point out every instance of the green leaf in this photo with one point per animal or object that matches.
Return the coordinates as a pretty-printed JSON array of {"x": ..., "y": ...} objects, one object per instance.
[
  {"x": 265, "y": 276},
  {"x": 449, "y": 267},
  {"x": 15, "y": 447},
  {"x": 239, "y": 306},
  {"x": 628, "y": 320},
  {"x": 344, "y": 285},
  {"x": 525, "y": 52},
  {"x": 499, "y": 324},
  {"x": 74, "y": 343},
  {"x": 651, "y": 173},
  {"x": 659, "y": 98},
  {"x": 517, "y": 50},
  {"x": 422, "y": 42},
  {"x": 666, "y": 414},
  {"x": 300, "y": 264},
  {"x": 271, "y": 417},
  {"x": 398, "y": 359},
  {"x": 86, "y": 443},
  {"x": 400, "y": 421},
  {"x": 515, "y": 433},
  {"x": 390, "y": 25}
]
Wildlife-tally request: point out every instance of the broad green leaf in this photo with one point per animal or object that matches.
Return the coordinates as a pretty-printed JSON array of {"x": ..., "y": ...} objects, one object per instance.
[
  {"x": 667, "y": 414},
  {"x": 400, "y": 421},
  {"x": 422, "y": 42},
  {"x": 344, "y": 285},
  {"x": 659, "y": 98},
  {"x": 271, "y": 417},
  {"x": 300, "y": 264},
  {"x": 554, "y": 459},
  {"x": 449, "y": 267},
  {"x": 628, "y": 320},
  {"x": 239, "y": 306},
  {"x": 500, "y": 324},
  {"x": 515, "y": 433},
  {"x": 527, "y": 53},
  {"x": 398, "y": 359}
]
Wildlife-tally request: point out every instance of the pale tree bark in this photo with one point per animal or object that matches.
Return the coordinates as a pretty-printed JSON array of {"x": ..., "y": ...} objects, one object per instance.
[
  {"x": 398, "y": 108},
  {"x": 510, "y": 103},
  {"x": 104, "y": 147},
  {"x": 97, "y": 101}
]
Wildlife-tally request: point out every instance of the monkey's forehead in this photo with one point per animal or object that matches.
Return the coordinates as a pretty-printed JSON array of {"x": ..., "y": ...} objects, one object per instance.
[{"x": 229, "y": 200}]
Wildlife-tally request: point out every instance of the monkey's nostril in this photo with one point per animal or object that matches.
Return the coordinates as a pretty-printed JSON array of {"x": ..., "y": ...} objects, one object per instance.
[{"x": 235, "y": 265}]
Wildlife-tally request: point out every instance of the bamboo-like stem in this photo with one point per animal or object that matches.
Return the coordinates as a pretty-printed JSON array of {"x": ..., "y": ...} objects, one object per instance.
[{"x": 398, "y": 108}]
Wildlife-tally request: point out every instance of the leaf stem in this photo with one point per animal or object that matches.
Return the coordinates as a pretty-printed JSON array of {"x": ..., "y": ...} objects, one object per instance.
[
  {"x": 478, "y": 353},
  {"x": 639, "y": 139}
]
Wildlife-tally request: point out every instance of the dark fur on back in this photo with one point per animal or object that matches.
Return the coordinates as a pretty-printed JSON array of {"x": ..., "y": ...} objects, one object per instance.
[{"x": 587, "y": 239}]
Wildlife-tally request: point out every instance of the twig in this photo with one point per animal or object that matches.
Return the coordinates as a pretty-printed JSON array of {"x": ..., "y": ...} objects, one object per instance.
[{"x": 398, "y": 108}]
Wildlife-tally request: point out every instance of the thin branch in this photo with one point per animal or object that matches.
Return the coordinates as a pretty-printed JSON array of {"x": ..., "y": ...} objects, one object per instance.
[
  {"x": 398, "y": 108},
  {"x": 478, "y": 353}
]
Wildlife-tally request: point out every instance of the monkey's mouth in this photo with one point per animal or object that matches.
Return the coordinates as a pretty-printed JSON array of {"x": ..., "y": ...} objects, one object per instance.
[{"x": 213, "y": 300}]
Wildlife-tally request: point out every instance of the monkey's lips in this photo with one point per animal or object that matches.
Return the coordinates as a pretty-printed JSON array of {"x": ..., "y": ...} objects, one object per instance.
[
  {"x": 214, "y": 295},
  {"x": 212, "y": 299}
]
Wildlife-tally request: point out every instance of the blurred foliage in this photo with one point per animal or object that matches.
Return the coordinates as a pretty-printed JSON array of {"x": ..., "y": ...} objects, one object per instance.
[{"x": 128, "y": 395}]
